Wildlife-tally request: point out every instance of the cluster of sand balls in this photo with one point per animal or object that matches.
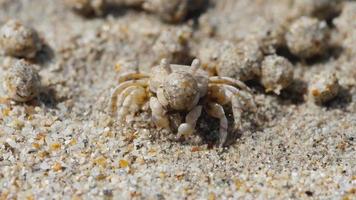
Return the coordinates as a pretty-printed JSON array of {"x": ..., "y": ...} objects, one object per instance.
[
  {"x": 21, "y": 82},
  {"x": 245, "y": 61},
  {"x": 305, "y": 37},
  {"x": 168, "y": 10}
]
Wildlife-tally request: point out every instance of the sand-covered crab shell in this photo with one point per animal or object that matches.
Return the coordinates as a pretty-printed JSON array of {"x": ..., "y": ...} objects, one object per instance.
[{"x": 179, "y": 88}]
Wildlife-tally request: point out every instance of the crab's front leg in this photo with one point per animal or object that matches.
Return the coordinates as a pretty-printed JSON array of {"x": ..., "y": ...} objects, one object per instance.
[
  {"x": 217, "y": 111},
  {"x": 119, "y": 92},
  {"x": 132, "y": 102},
  {"x": 191, "y": 119},
  {"x": 159, "y": 116},
  {"x": 240, "y": 101}
]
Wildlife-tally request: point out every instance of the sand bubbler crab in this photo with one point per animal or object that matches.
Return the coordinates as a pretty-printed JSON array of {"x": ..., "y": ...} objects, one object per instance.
[{"x": 184, "y": 89}]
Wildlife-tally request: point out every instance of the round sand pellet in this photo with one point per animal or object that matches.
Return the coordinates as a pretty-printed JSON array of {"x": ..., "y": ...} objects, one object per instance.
[
  {"x": 277, "y": 73},
  {"x": 307, "y": 37},
  {"x": 21, "y": 82},
  {"x": 19, "y": 40},
  {"x": 323, "y": 87}
]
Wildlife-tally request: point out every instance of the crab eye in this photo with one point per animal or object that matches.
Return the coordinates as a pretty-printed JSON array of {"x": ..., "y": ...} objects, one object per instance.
[
  {"x": 166, "y": 66},
  {"x": 195, "y": 65}
]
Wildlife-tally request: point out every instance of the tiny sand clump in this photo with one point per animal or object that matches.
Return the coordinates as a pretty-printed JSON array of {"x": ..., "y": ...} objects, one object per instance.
[
  {"x": 277, "y": 73},
  {"x": 323, "y": 87},
  {"x": 307, "y": 37},
  {"x": 19, "y": 40},
  {"x": 21, "y": 82}
]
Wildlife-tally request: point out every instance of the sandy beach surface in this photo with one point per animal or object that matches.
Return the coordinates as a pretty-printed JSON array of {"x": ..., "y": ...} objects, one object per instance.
[{"x": 65, "y": 145}]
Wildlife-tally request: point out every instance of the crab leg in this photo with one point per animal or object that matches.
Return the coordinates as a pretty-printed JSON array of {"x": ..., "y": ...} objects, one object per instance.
[
  {"x": 164, "y": 64},
  {"x": 132, "y": 101},
  {"x": 228, "y": 81},
  {"x": 217, "y": 111},
  {"x": 119, "y": 89},
  {"x": 124, "y": 109},
  {"x": 159, "y": 114},
  {"x": 195, "y": 65},
  {"x": 244, "y": 97},
  {"x": 125, "y": 93},
  {"x": 239, "y": 101},
  {"x": 191, "y": 119},
  {"x": 122, "y": 96},
  {"x": 132, "y": 75},
  {"x": 217, "y": 93}
]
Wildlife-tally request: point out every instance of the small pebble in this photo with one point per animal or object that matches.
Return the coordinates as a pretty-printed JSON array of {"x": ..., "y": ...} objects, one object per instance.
[
  {"x": 19, "y": 40},
  {"x": 324, "y": 87},
  {"x": 307, "y": 37},
  {"x": 277, "y": 73},
  {"x": 21, "y": 82}
]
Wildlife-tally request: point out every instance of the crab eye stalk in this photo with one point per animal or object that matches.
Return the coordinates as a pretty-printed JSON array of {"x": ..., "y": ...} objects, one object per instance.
[
  {"x": 195, "y": 65},
  {"x": 165, "y": 65}
]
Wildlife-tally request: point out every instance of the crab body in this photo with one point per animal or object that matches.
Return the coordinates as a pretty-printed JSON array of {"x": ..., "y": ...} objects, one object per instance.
[{"x": 181, "y": 89}]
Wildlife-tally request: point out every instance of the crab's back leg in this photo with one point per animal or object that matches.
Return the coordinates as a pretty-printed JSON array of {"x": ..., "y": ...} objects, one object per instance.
[
  {"x": 217, "y": 93},
  {"x": 228, "y": 81},
  {"x": 195, "y": 65},
  {"x": 245, "y": 97},
  {"x": 240, "y": 101},
  {"x": 217, "y": 111},
  {"x": 132, "y": 76},
  {"x": 191, "y": 119},
  {"x": 159, "y": 114},
  {"x": 119, "y": 89}
]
